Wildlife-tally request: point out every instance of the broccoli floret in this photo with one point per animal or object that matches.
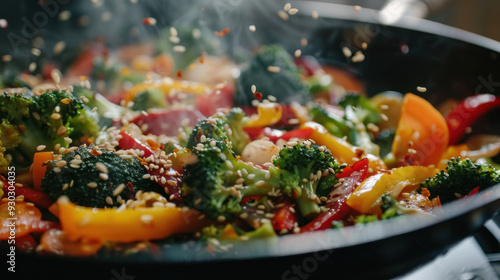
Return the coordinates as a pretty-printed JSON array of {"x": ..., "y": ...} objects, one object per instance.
[
  {"x": 364, "y": 110},
  {"x": 365, "y": 219},
  {"x": 286, "y": 85},
  {"x": 358, "y": 113},
  {"x": 152, "y": 98},
  {"x": 325, "y": 185},
  {"x": 44, "y": 119},
  {"x": 213, "y": 186},
  {"x": 460, "y": 178},
  {"x": 78, "y": 175},
  {"x": 106, "y": 110},
  {"x": 391, "y": 208},
  {"x": 223, "y": 127},
  {"x": 9, "y": 139},
  {"x": 307, "y": 162}
]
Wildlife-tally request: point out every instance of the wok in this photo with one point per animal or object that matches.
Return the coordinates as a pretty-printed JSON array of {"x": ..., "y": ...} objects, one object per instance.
[{"x": 402, "y": 55}]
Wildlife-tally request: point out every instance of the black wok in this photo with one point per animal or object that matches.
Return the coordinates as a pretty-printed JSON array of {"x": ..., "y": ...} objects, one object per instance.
[{"x": 408, "y": 53}]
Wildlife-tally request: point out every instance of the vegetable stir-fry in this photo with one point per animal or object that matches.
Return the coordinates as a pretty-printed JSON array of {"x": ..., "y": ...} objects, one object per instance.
[{"x": 117, "y": 153}]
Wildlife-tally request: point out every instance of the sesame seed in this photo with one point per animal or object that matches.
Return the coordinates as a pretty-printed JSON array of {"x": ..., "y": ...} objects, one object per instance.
[
  {"x": 421, "y": 89},
  {"x": 384, "y": 106},
  {"x": 92, "y": 185},
  {"x": 196, "y": 33},
  {"x": 244, "y": 238},
  {"x": 287, "y": 7},
  {"x": 172, "y": 183},
  {"x": 146, "y": 176},
  {"x": 55, "y": 116},
  {"x": 61, "y": 163},
  {"x": 6, "y": 58},
  {"x": 149, "y": 21},
  {"x": 109, "y": 200},
  {"x": 32, "y": 67},
  {"x": 358, "y": 57},
  {"x": 384, "y": 117},
  {"x": 267, "y": 176},
  {"x": 75, "y": 166},
  {"x": 118, "y": 189},
  {"x": 364, "y": 45},
  {"x": 103, "y": 176},
  {"x": 372, "y": 127},
  {"x": 179, "y": 49},
  {"x": 64, "y": 15},
  {"x": 252, "y": 28},
  {"x": 244, "y": 215},
  {"x": 221, "y": 218},
  {"x": 254, "y": 88},
  {"x": 283, "y": 15},
  {"x": 41, "y": 148},
  {"x": 293, "y": 11},
  {"x": 3, "y": 23},
  {"x": 58, "y": 48},
  {"x": 346, "y": 51},
  {"x": 229, "y": 164},
  {"x": 101, "y": 167},
  {"x": 260, "y": 183},
  {"x": 273, "y": 69},
  {"x": 198, "y": 201},
  {"x": 357, "y": 8},
  {"x": 173, "y": 31},
  {"x": 315, "y": 14},
  {"x": 147, "y": 219},
  {"x": 303, "y": 42},
  {"x": 68, "y": 140},
  {"x": 297, "y": 53},
  {"x": 251, "y": 176},
  {"x": 65, "y": 186},
  {"x": 260, "y": 212},
  {"x": 203, "y": 138}
]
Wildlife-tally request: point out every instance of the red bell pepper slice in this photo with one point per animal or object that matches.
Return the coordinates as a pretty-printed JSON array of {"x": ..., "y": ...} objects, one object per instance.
[
  {"x": 467, "y": 112},
  {"x": 128, "y": 142},
  {"x": 37, "y": 197},
  {"x": 473, "y": 192},
  {"x": 336, "y": 203},
  {"x": 284, "y": 217}
]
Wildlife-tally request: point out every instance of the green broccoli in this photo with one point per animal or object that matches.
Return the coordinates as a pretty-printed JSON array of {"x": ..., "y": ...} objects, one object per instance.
[
  {"x": 153, "y": 98},
  {"x": 460, "y": 178},
  {"x": 307, "y": 163},
  {"x": 358, "y": 114},
  {"x": 213, "y": 184},
  {"x": 286, "y": 85},
  {"x": 223, "y": 127},
  {"x": 45, "y": 119},
  {"x": 391, "y": 208},
  {"x": 105, "y": 109},
  {"x": 88, "y": 179}
]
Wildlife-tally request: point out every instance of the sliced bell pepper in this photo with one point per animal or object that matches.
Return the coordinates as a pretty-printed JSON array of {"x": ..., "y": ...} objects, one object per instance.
[
  {"x": 366, "y": 196},
  {"x": 28, "y": 219},
  {"x": 467, "y": 112},
  {"x": 336, "y": 203},
  {"x": 127, "y": 142},
  {"x": 341, "y": 149},
  {"x": 167, "y": 85},
  {"x": 56, "y": 242},
  {"x": 421, "y": 128},
  {"x": 452, "y": 152},
  {"x": 39, "y": 169},
  {"x": 284, "y": 217},
  {"x": 267, "y": 114},
  {"x": 126, "y": 225}
]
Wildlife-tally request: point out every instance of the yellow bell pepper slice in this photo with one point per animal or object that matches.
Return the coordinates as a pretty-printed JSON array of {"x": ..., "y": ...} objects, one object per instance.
[
  {"x": 455, "y": 151},
  {"x": 422, "y": 128},
  {"x": 168, "y": 86},
  {"x": 267, "y": 114},
  {"x": 126, "y": 225},
  {"x": 342, "y": 150},
  {"x": 366, "y": 196}
]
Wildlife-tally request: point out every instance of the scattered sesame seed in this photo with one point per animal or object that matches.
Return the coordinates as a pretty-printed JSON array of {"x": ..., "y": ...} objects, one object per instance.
[
  {"x": 147, "y": 219},
  {"x": 109, "y": 200},
  {"x": 358, "y": 57},
  {"x": 65, "y": 186},
  {"x": 315, "y": 14},
  {"x": 172, "y": 183},
  {"x": 221, "y": 218},
  {"x": 293, "y": 11},
  {"x": 253, "y": 88},
  {"x": 274, "y": 69},
  {"x": 179, "y": 49},
  {"x": 196, "y": 33},
  {"x": 6, "y": 58},
  {"x": 364, "y": 45},
  {"x": 68, "y": 140},
  {"x": 32, "y": 67},
  {"x": 55, "y": 116},
  {"x": 59, "y": 47},
  {"x": 421, "y": 89},
  {"x": 303, "y": 42},
  {"x": 118, "y": 189},
  {"x": 287, "y": 7},
  {"x": 103, "y": 176},
  {"x": 252, "y": 28},
  {"x": 384, "y": 117},
  {"x": 346, "y": 51},
  {"x": 174, "y": 39},
  {"x": 41, "y": 148},
  {"x": 92, "y": 185},
  {"x": 297, "y": 53},
  {"x": 283, "y": 15},
  {"x": 64, "y": 15},
  {"x": 357, "y": 8},
  {"x": 3, "y": 23},
  {"x": 384, "y": 106},
  {"x": 260, "y": 183}
]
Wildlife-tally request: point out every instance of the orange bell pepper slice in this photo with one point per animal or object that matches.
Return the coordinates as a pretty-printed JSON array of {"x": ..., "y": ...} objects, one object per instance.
[
  {"x": 366, "y": 196},
  {"x": 422, "y": 128},
  {"x": 126, "y": 225}
]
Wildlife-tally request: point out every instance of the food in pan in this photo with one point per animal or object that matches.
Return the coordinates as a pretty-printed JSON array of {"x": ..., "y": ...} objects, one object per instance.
[{"x": 197, "y": 147}]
